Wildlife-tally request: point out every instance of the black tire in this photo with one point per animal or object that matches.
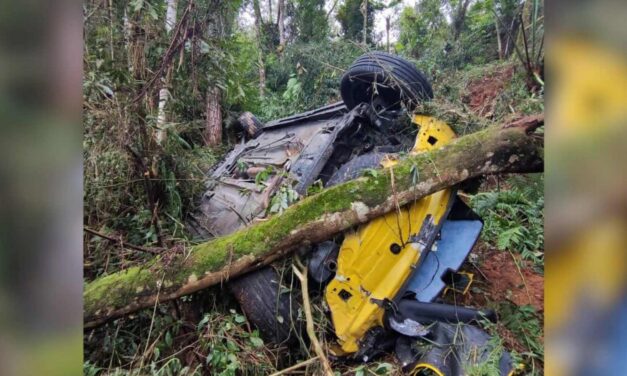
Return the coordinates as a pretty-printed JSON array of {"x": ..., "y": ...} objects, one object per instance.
[
  {"x": 396, "y": 81},
  {"x": 269, "y": 309},
  {"x": 250, "y": 124}
]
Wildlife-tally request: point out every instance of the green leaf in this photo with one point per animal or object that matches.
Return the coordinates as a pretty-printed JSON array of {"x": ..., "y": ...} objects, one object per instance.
[
  {"x": 156, "y": 352},
  {"x": 383, "y": 369},
  {"x": 414, "y": 174},
  {"x": 153, "y": 13},
  {"x": 203, "y": 322},
  {"x": 256, "y": 342},
  {"x": 371, "y": 172},
  {"x": 137, "y": 5},
  {"x": 240, "y": 319},
  {"x": 509, "y": 238},
  {"x": 231, "y": 346},
  {"x": 359, "y": 371}
]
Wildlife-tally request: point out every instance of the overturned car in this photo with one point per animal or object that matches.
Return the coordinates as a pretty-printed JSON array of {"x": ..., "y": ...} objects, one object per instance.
[{"x": 382, "y": 280}]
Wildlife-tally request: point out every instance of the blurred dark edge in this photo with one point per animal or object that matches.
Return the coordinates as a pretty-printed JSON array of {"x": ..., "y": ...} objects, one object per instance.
[
  {"x": 586, "y": 299},
  {"x": 40, "y": 188}
]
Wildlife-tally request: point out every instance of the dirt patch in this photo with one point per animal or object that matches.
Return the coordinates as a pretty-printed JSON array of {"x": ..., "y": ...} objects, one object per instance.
[
  {"x": 504, "y": 280},
  {"x": 482, "y": 93}
]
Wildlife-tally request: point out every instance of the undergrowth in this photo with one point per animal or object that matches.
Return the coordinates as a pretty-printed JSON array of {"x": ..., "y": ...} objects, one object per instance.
[{"x": 514, "y": 217}]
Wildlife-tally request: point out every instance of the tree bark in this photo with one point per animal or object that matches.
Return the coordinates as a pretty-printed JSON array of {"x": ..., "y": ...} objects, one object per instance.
[
  {"x": 281, "y": 23},
  {"x": 258, "y": 33},
  {"x": 164, "y": 94},
  {"x": 499, "y": 45},
  {"x": 460, "y": 18},
  {"x": 364, "y": 11},
  {"x": 213, "y": 127},
  {"x": 387, "y": 34},
  {"x": 170, "y": 15},
  {"x": 513, "y": 148}
]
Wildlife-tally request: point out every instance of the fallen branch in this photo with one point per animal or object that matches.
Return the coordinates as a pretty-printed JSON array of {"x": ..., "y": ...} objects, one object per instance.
[
  {"x": 496, "y": 150},
  {"x": 122, "y": 243},
  {"x": 295, "y": 366},
  {"x": 301, "y": 274}
]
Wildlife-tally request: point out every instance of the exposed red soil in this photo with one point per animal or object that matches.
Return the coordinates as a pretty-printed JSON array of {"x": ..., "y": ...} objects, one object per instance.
[
  {"x": 497, "y": 279},
  {"x": 506, "y": 282},
  {"x": 482, "y": 93}
]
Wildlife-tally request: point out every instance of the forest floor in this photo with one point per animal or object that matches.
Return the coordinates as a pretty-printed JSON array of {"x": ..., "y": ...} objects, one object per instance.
[{"x": 207, "y": 331}]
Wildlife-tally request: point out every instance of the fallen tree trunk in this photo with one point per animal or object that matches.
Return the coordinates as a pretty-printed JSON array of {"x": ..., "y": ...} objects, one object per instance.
[{"x": 512, "y": 148}]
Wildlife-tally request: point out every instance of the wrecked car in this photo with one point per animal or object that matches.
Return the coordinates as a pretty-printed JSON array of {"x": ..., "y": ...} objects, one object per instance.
[{"x": 381, "y": 281}]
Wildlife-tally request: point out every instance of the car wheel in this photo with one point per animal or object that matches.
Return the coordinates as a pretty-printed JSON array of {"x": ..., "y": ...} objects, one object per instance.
[
  {"x": 384, "y": 80},
  {"x": 266, "y": 306}
]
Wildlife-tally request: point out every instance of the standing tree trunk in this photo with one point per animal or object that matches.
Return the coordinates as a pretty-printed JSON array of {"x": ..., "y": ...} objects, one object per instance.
[
  {"x": 262, "y": 68},
  {"x": 459, "y": 18},
  {"x": 499, "y": 45},
  {"x": 213, "y": 127},
  {"x": 170, "y": 21},
  {"x": 281, "y": 23},
  {"x": 170, "y": 15},
  {"x": 364, "y": 12},
  {"x": 507, "y": 26},
  {"x": 387, "y": 34},
  {"x": 512, "y": 36},
  {"x": 509, "y": 149}
]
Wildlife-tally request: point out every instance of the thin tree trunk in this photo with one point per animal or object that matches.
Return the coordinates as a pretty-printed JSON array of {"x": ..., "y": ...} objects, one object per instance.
[
  {"x": 387, "y": 34},
  {"x": 281, "y": 23},
  {"x": 364, "y": 12},
  {"x": 170, "y": 15},
  {"x": 164, "y": 94},
  {"x": 460, "y": 18},
  {"x": 262, "y": 68},
  {"x": 513, "y": 148},
  {"x": 213, "y": 127},
  {"x": 498, "y": 38},
  {"x": 270, "y": 20}
]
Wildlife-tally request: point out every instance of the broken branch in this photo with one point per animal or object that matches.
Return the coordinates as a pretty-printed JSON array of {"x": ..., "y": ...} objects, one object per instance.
[
  {"x": 301, "y": 274},
  {"x": 154, "y": 251}
]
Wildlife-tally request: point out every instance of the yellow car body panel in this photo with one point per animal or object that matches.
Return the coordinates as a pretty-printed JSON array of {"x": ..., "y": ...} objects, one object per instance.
[{"x": 375, "y": 260}]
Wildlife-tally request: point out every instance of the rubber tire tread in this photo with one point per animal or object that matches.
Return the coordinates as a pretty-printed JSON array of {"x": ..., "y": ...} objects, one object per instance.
[
  {"x": 258, "y": 296},
  {"x": 412, "y": 81},
  {"x": 392, "y": 59}
]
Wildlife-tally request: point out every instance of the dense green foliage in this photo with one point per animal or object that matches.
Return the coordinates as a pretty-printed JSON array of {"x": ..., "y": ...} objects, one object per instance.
[
  {"x": 351, "y": 17},
  {"x": 310, "y": 21}
]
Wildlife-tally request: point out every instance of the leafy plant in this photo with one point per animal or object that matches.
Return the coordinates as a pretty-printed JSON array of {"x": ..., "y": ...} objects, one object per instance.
[
  {"x": 263, "y": 176},
  {"x": 294, "y": 91},
  {"x": 227, "y": 343},
  {"x": 372, "y": 172},
  {"x": 514, "y": 219},
  {"x": 526, "y": 325},
  {"x": 285, "y": 197}
]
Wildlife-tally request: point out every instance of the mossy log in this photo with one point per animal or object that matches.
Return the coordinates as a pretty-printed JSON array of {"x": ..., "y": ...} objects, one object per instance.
[{"x": 512, "y": 148}]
